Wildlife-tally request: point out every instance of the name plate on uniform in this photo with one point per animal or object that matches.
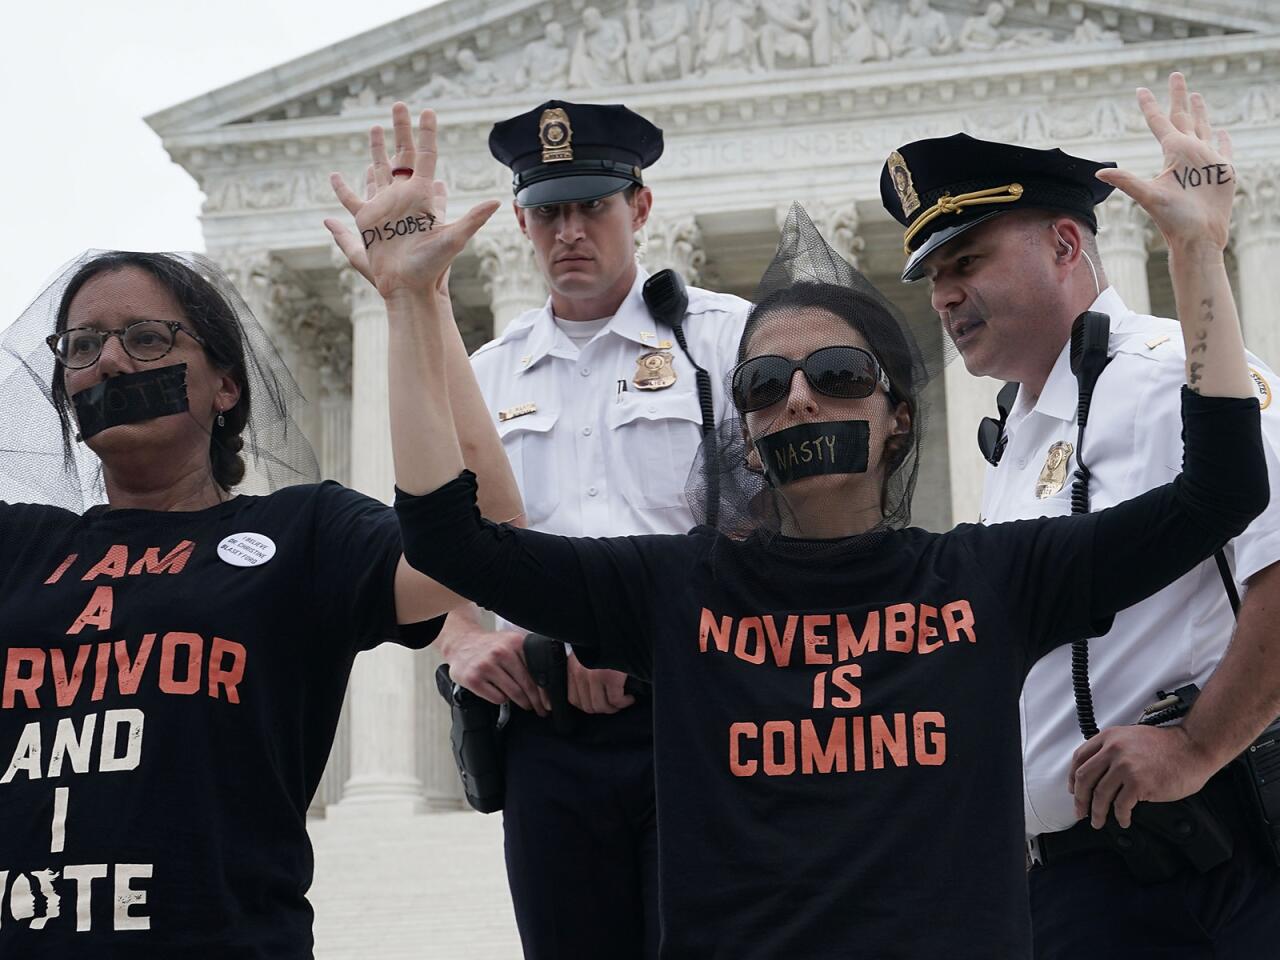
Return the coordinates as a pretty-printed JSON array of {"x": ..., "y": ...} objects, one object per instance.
[{"x": 517, "y": 411}]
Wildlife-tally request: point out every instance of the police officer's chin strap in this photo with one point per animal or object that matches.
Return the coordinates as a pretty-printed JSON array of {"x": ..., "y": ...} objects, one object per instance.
[{"x": 667, "y": 299}]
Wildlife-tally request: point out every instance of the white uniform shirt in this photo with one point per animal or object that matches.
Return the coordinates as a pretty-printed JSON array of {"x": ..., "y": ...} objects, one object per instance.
[
  {"x": 1133, "y": 442},
  {"x": 597, "y": 456}
]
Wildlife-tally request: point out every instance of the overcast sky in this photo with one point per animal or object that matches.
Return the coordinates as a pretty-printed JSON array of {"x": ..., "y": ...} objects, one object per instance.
[{"x": 78, "y": 164}]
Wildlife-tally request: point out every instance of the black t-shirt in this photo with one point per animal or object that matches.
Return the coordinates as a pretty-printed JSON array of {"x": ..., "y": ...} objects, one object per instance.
[
  {"x": 837, "y": 747},
  {"x": 166, "y": 711}
]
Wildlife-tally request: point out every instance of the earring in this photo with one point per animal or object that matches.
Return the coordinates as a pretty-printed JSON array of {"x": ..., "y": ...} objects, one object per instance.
[{"x": 221, "y": 421}]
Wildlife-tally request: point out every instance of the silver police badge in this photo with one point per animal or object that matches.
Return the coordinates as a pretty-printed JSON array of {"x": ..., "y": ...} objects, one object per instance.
[{"x": 1053, "y": 475}]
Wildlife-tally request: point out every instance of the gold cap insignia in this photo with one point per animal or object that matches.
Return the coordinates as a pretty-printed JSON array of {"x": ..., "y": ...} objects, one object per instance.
[
  {"x": 1053, "y": 475},
  {"x": 901, "y": 178},
  {"x": 556, "y": 135},
  {"x": 1262, "y": 387}
]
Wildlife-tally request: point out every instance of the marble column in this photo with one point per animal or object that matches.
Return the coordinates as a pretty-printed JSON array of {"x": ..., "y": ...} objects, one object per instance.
[
  {"x": 510, "y": 273},
  {"x": 674, "y": 244},
  {"x": 335, "y": 423},
  {"x": 1124, "y": 234},
  {"x": 250, "y": 270},
  {"x": 382, "y": 692},
  {"x": 969, "y": 399},
  {"x": 334, "y": 436},
  {"x": 1256, "y": 243},
  {"x": 272, "y": 295},
  {"x": 436, "y": 767}
]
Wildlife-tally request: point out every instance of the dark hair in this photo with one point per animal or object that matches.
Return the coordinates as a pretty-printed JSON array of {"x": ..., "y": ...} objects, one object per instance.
[
  {"x": 213, "y": 319},
  {"x": 878, "y": 325}
]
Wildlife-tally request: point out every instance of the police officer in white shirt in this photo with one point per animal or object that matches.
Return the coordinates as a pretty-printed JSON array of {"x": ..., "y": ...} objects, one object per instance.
[
  {"x": 598, "y": 407},
  {"x": 1005, "y": 236}
]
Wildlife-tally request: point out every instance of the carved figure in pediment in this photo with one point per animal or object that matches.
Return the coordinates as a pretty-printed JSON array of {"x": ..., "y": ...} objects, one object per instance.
[
  {"x": 1092, "y": 32},
  {"x": 1072, "y": 123},
  {"x": 660, "y": 42},
  {"x": 269, "y": 192},
  {"x": 473, "y": 172},
  {"x": 922, "y": 32},
  {"x": 599, "y": 56},
  {"x": 785, "y": 33},
  {"x": 984, "y": 33},
  {"x": 367, "y": 97},
  {"x": 728, "y": 36},
  {"x": 1260, "y": 105},
  {"x": 545, "y": 62},
  {"x": 861, "y": 41},
  {"x": 1033, "y": 127},
  {"x": 1109, "y": 121},
  {"x": 226, "y": 195},
  {"x": 822, "y": 40},
  {"x": 473, "y": 78}
]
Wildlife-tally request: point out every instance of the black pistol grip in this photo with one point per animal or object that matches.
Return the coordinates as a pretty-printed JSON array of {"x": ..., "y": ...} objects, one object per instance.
[{"x": 548, "y": 664}]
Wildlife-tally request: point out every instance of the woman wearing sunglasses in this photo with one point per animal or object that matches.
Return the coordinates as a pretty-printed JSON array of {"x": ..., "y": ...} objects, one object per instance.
[{"x": 836, "y": 694}]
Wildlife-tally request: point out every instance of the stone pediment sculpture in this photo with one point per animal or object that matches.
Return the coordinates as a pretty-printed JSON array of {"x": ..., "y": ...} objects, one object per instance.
[{"x": 576, "y": 47}]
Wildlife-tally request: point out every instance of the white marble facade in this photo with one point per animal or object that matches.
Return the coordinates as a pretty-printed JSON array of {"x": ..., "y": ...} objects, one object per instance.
[{"x": 762, "y": 102}]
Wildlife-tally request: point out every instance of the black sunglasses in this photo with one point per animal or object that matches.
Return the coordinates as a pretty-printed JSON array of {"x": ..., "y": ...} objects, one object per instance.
[
  {"x": 991, "y": 436},
  {"x": 848, "y": 373}
]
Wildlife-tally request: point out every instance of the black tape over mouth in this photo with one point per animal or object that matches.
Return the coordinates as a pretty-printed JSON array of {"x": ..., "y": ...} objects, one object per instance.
[
  {"x": 815, "y": 449},
  {"x": 132, "y": 398}
]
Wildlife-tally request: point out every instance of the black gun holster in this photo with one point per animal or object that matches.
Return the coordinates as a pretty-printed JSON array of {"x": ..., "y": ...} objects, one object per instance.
[
  {"x": 476, "y": 736},
  {"x": 1165, "y": 837}
]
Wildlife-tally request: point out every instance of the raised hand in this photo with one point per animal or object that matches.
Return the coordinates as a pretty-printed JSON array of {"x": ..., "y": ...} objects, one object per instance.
[
  {"x": 1190, "y": 199},
  {"x": 404, "y": 243}
]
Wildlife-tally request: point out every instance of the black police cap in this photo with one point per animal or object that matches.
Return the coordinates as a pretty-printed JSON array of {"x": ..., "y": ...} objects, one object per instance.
[
  {"x": 940, "y": 188},
  {"x": 563, "y": 152}
]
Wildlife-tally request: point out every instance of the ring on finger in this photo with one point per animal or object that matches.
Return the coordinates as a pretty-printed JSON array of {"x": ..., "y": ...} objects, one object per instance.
[{"x": 405, "y": 171}]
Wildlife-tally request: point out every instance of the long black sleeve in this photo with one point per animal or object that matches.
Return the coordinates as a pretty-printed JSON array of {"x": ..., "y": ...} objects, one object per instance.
[
  {"x": 1067, "y": 577},
  {"x": 592, "y": 592},
  {"x": 1222, "y": 487}
]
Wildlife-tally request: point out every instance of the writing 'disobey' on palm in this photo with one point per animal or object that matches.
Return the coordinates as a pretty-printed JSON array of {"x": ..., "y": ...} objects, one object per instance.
[{"x": 404, "y": 244}]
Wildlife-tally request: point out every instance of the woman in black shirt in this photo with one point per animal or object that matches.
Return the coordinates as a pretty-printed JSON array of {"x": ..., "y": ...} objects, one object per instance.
[
  {"x": 173, "y": 661},
  {"x": 836, "y": 699}
]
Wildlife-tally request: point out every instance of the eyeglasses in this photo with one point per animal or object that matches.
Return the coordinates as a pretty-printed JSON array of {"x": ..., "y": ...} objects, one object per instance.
[
  {"x": 145, "y": 340},
  {"x": 991, "y": 436},
  {"x": 847, "y": 373}
]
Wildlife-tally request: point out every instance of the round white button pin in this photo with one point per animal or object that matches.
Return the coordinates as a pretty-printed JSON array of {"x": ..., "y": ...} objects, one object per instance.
[{"x": 246, "y": 549}]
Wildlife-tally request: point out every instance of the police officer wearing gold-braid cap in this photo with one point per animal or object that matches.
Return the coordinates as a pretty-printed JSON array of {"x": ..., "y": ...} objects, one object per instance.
[
  {"x": 598, "y": 405},
  {"x": 1005, "y": 236}
]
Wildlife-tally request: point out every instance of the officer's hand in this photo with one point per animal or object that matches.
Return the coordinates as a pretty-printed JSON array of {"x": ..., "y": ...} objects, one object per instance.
[
  {"x": 597, "y": 691},
  {"x": 408, "y": 245},
  {"x": 1190, "y": 199},
  {"x": 1123, "y": 765},
  {"x": 491, "y": 665}
]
